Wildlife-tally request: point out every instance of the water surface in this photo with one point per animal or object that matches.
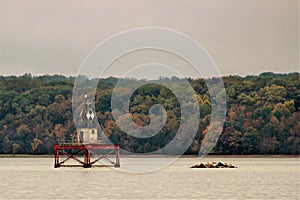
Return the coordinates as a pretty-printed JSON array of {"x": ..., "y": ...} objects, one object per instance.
[{"x": 255, "y": 178}]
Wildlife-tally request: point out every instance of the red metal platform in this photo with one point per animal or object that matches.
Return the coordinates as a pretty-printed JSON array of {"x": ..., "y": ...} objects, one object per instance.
[{"x": 75, "y": 152}]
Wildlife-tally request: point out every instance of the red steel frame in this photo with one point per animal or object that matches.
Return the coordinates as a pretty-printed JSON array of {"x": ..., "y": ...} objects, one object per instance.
[{"x": 86, "y": 150}]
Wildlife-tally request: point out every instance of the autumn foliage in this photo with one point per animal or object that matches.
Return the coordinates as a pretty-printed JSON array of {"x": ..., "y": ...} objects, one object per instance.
[{"x": 263, "y": 114}]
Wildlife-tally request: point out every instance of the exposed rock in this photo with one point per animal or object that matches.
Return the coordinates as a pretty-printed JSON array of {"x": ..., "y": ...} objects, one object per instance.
[{"x": 213, "y": 165}]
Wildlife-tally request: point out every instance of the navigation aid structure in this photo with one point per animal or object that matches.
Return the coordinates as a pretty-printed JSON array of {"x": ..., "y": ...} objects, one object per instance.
[
  {"x": 87, "y": 134},
  {"x": 87, "y": 144}
]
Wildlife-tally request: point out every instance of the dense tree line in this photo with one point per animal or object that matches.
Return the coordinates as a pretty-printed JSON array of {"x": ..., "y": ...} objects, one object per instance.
[{"x": 263, "y": 114}]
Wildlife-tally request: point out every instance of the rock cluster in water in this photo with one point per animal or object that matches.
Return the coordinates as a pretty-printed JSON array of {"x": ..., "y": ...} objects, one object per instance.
[{"x": 213, "y": 165}]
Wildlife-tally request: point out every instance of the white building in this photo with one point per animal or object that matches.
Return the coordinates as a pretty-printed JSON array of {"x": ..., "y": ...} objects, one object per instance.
[{"x": 87, "y": 135}]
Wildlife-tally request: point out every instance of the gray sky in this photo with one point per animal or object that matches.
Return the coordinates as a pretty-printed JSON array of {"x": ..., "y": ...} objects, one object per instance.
[{"x": 242, "y": 36}]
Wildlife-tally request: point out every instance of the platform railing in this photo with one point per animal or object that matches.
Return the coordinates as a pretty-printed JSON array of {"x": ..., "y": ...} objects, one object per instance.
[{"x": 68, "y": 142}]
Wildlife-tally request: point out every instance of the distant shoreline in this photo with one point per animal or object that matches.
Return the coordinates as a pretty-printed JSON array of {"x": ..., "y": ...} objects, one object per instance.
[{"x": 183, "y": 156}]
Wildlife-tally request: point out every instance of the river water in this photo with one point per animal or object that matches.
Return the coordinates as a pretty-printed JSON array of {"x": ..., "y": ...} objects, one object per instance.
[{"x": 255, "y": 178}]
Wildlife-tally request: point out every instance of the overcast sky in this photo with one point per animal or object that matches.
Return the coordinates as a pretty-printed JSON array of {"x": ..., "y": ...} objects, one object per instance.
[{"x": 242, "y": 36}]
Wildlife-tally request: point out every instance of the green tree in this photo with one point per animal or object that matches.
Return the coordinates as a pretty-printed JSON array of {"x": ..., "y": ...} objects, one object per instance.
[{"x": 250, "y": 141}]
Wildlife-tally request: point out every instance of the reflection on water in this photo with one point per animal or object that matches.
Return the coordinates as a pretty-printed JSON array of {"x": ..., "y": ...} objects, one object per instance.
[{"x": 255, "y": 178}]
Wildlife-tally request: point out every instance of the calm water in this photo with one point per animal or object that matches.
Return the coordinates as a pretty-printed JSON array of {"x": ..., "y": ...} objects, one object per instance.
[{"x": 255, "y": 178}]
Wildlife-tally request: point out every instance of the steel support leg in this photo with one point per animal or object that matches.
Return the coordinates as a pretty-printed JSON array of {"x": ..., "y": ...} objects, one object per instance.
[
  {"x": 117, "y": 156},
  {"x": 56, "y": 159},
  {"x": 87, "y": 159}
]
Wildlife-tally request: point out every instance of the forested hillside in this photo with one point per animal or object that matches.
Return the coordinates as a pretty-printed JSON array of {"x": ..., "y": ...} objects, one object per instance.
[{"x": 263, "y": 114}]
